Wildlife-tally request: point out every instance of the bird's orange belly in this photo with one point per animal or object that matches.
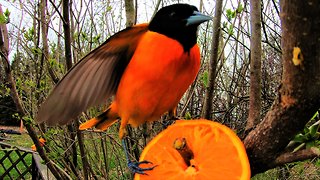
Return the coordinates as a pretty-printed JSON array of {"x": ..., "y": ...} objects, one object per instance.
[{"x": 155, "y": 82}]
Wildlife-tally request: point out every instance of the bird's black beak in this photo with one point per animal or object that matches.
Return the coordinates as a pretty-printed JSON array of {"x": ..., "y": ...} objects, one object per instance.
[{"x": 197, "y": 18}]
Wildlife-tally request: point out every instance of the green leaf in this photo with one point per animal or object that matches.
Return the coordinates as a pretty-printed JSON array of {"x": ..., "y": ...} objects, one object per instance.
[
  {"x": 52, "y": 62},
  {"x": 16, "y": 115},
  {"x": 230, "y": 29},
  {"x": 29, "y": 35},
  {"x": 36, "y": 50},
  {"x": 27, "y": 119},
  {"x": 2, "y": 19},
  {"x": 187, "y": 115},
  {"x": 313, "y": 129},
  {"x": 84, "y": 35},
  {"x": 229, "y": 14},
  {"x": 233, "y": 14},
  {"x": 306, "y": 130},
  {"x": 224, "y": 24},
  {"x": 96, "y": 38},
  {"x": 240, "y": 8},
  {"x": 109, "y": 8},
  {"x": 75, "y": 35},
  {"x": 315, "y": 115},
  {"x": 31, "y": 31},
  {"x": 61, "y": 67},
  {"x": 310, "y": 144},
  {"x": 300, "y": 138},
  {"x": 317, "y": 162},
  {"x": 205, "y": 78},
  {"x": 299, "y": 147},
  {"x": 18, "y": 82},
  {"x": 7, "y": 13}
]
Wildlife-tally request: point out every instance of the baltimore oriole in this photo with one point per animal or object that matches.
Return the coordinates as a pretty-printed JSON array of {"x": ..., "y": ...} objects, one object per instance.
[{"x": 148, "y": 67}]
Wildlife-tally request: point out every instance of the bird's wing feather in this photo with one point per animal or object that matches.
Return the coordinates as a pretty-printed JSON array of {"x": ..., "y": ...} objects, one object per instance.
[{"x": 92, "y": 80}]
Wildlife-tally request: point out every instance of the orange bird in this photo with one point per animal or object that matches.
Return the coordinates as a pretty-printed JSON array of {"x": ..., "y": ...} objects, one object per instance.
[{"x": 148, "y": 67}]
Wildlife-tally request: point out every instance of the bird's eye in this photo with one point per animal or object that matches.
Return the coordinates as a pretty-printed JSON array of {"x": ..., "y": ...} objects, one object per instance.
[{"x": 172, "y": 14}]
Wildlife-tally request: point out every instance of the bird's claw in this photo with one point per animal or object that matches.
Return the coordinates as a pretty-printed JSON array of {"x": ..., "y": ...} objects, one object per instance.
[
  {"x": 134, "y": 167},
  {"x": 169, "y": 122}
]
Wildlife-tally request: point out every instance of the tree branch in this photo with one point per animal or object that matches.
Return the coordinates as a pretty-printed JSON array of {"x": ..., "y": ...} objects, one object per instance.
[
  {"x": 296, "y": 156},
  {"x": 255, "y": 65},
  {"x": 213, "y": 65}
]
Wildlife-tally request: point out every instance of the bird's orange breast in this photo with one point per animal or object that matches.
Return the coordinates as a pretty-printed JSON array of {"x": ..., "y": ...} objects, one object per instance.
[{"x": 154, "y": 81}]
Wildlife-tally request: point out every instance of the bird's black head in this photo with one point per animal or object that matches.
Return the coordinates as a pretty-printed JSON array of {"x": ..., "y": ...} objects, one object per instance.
[{"x": 180, "y": 22}]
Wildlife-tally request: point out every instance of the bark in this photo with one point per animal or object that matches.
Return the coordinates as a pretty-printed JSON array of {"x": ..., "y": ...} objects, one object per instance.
[
  {"x": 255, "y": 65},
  {"x": 207, "y": 106},
  {"x": 84, "y": 159},
  {"x": 44, "y": 34},
  {"x": 130, "y": 12},
  {"x": 67, "y": 35},
  {"x": 297, "y": 156},
  {"x": 298, "y": 97},
  {"x": 67, "y": 47}
]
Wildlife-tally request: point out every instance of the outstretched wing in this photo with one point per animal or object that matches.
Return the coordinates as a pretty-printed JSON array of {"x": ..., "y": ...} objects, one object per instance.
[{"x": 93, "y": 79}]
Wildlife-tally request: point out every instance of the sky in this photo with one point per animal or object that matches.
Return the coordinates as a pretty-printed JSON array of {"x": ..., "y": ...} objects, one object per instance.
[{"x": 145, "y": 12}]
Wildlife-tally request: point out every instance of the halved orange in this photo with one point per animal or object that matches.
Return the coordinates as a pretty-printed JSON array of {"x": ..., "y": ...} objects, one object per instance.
[{"x": 218, "y": 153}]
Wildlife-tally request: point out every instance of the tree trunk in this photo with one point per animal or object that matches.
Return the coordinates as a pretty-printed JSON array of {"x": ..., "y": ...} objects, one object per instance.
[
  {"x": 207, "y": 106},
  {"x": 67, "y": 35},
  {"x": 255, "y": 65},
  {"x": 299, "y": 96},
  {"x": 130, "y": 12},
  {"x": 44, "y": 34}
]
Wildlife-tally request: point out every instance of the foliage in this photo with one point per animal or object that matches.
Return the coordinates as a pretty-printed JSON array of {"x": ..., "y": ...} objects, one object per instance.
[
  {"x": 310, "y": 135},
  {"x": 92, "y": 23},
  {"x": 7, "y": 109},
  {"x": 300, "y": 170},
  {"x": 5, "y": 17}
]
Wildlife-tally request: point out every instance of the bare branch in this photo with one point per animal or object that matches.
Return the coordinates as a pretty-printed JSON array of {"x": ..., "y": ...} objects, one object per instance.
[{"x": 296, "y": 156}]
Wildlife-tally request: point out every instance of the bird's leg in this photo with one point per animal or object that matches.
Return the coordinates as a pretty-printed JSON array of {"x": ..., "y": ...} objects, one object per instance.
[
  {"x": 171, "y": 118},
  {"x": 134, "y": 166}
]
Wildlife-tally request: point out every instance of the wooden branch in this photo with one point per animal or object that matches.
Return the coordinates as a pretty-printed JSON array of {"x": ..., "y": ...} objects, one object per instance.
[
  {"x": 301, "y": 155},
  {"x": 44, "y": 34},
  {"x": 255, "y": 65},
  {"x": 4, "y": 39},
  {"x": 130, "y": 12},
  {"x": 57, "y": 10},
  {"x": 213, "y": 65},
  {"x": 67, "y": 34}
]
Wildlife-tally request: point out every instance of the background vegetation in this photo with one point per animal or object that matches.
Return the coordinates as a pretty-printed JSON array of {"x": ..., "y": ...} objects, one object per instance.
[{"x": 37, "y": 32}]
